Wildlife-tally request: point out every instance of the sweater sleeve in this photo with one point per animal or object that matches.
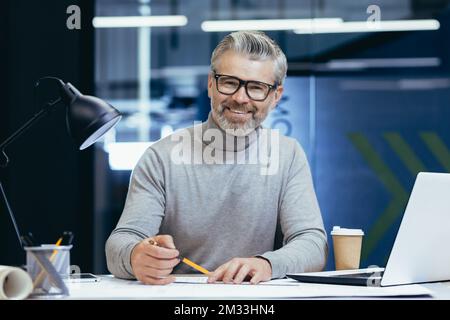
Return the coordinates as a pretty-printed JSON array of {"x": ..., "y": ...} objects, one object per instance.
[
  {"x": 304, "y": 239},
  {"x": 142, "y": 214}
]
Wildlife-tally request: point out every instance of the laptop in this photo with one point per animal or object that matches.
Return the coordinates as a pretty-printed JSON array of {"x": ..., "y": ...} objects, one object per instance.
[{"x": 420, "y": 252}]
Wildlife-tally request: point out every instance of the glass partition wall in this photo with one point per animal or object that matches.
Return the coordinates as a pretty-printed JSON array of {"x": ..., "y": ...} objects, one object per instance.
[{"x": 366, "y": 95}]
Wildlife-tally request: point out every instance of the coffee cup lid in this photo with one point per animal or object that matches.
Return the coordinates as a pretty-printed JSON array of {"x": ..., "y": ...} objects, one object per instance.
[{"x": 338, "y": 231}]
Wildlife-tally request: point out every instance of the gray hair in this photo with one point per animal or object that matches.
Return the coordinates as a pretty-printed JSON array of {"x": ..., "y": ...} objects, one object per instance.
[{"x": 255, "y": 44}]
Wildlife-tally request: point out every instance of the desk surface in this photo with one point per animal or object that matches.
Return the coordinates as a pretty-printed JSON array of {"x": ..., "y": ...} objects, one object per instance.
[{"x": 113, "y": 288}]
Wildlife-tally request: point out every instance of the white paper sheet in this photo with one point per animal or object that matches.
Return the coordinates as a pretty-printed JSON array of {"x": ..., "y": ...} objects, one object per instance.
[
  {"x": 112, "y": 288},
  {"x": 191, "y": 279},
  {"x": 204, "y": 280}
]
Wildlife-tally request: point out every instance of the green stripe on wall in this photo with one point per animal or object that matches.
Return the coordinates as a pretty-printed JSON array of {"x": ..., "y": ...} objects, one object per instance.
[{"x": 389, "y": 180}]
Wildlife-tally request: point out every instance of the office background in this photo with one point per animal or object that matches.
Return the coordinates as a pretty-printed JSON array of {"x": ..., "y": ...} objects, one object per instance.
[{"x": 371, "y": 109}]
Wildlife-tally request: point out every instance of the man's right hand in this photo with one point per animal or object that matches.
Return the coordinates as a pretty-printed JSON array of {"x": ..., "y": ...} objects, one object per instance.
[{"x": 153, "y": 264}]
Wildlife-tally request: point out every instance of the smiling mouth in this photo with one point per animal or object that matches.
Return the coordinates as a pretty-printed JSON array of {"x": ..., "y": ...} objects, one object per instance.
[{"x": 237, "y": 112}]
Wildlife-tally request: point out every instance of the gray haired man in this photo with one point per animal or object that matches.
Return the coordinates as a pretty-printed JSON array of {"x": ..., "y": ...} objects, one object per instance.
[{"x": 227, "y": 217}]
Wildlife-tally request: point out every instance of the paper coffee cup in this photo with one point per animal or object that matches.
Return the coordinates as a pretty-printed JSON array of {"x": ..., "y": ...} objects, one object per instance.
[{"x": 347, "y": 247}]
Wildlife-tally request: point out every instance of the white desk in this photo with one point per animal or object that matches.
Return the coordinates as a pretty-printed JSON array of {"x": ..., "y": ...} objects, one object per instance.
[{"x": 113, "y": 288}]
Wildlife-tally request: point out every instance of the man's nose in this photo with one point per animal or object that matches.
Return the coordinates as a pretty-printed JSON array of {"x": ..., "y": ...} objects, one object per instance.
[{"x": 241, "y": 96}]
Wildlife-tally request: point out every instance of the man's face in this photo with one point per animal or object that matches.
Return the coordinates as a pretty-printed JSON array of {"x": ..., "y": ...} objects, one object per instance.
[{"x": 238, "y": 111}]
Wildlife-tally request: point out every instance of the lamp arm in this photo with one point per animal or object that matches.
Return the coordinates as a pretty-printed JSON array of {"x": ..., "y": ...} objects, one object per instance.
[
  {"x": 4, "y": 163},
  {"x": 28, "y": 124},
  {"x": 11, "y": 215},
  {"x": 5, "y": 160},
  {"x": 22, "y": 129},
  {"x": 48, "y": 107}
]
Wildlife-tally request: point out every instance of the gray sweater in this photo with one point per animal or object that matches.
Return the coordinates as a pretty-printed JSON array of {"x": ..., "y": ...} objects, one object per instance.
[{"x": 219, "y": 210}]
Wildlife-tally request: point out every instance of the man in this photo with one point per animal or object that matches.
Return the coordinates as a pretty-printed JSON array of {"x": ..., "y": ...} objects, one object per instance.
[{"x": 224, "y": 215}]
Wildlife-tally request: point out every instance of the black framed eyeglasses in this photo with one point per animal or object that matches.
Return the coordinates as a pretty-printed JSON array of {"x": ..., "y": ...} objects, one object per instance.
[{"x": 256, "y": 90}]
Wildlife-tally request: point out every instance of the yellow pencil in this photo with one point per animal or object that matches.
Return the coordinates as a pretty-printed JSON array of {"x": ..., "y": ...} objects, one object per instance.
[
  {"x": 195, "y": 266},
  {"x": 185, "y": 260},
  {"x": 56, "y": 244}
]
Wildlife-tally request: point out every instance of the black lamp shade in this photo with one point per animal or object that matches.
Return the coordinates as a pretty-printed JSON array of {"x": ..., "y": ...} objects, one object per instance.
[{"x": 88, "y": 118}]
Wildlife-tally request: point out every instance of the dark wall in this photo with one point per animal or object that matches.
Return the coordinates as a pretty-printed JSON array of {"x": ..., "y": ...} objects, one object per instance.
[
  {"x": 48, "y": 182},
  {"x": 4, "y": 19}
]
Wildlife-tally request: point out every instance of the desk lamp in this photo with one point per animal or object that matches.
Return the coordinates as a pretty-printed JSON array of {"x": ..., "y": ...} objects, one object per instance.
[{"x": 88, "y": 118}]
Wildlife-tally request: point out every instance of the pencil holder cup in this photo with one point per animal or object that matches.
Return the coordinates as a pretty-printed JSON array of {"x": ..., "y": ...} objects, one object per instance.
[{"x": 48, "y": 266}]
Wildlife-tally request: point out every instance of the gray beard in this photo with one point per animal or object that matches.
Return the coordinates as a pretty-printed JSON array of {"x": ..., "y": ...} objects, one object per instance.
[{"x": 235, "y": 129}]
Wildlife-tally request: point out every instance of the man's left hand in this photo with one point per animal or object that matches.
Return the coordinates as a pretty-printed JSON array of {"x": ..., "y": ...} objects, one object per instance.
[{"x": 238, "y": 269}]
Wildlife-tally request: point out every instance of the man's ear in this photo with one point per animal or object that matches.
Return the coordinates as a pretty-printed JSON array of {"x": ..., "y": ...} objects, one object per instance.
[
  {"x": 278, "y": 94},
  {"x": 210, "y": 84}
]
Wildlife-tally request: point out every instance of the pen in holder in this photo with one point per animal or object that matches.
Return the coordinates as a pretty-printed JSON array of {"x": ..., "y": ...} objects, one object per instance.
[{"x": 48, "y": 266}]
